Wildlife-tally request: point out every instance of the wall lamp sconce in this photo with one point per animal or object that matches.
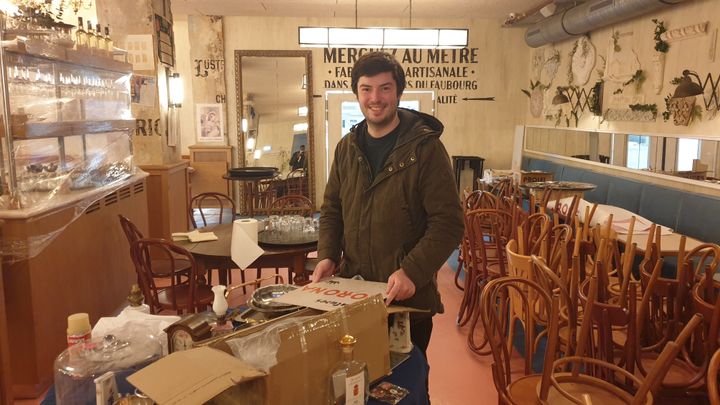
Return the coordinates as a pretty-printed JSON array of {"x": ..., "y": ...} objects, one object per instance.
[
  {"x": 560, "y": 97},
  {"x": 175, "y": 88},
  {"x": 302, "y": 111},
  {"x": 244, "y": 124},
  {"x": 250, "y": 143},
  {"x": 687, "y": 87}
]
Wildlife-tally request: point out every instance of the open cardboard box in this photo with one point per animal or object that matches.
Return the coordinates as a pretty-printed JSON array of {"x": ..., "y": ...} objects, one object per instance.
[{"x": 306, "y": 353}]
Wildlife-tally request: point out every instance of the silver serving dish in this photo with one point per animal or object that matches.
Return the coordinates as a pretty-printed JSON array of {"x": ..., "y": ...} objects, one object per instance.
[{"x": 263, "y": 298}]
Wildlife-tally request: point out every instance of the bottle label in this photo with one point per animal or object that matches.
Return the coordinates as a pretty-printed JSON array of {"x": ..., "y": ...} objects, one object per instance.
[
  {"x": 75, "y": 339},
  {"x": 355, "y": 389}
]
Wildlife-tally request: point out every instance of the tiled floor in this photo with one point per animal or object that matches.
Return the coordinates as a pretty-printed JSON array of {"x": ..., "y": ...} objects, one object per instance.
[{"x": 457, "y": 376}]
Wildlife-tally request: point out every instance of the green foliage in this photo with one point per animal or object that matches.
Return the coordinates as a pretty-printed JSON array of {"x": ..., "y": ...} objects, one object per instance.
[
  {"x": 660, "y": 45},
  {"x": 645, "y": 107},
  {"x": 666, "y": 113},
  {"x": 638, "y": 78}
]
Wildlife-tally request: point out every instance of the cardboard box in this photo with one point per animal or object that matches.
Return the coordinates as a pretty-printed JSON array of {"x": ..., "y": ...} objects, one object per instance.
[
  {"x": 196, "y": 376},
  {"x": 307, "y": 351},
  {"x": 533, "y": 176}
]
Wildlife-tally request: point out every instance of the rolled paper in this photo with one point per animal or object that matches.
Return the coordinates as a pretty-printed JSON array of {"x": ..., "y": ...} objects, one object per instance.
[
  {"x": 249, "y": 226},
  {"x": 243, "y": 246}
]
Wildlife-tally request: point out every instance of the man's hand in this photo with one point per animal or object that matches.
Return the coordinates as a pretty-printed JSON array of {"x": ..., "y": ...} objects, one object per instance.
[
  {"x": 324, "y": 268},
  {"x": 400, "y": 287}
]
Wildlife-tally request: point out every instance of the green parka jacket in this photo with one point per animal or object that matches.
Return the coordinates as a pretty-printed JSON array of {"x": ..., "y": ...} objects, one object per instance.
[{"x": 409, "y": 216}]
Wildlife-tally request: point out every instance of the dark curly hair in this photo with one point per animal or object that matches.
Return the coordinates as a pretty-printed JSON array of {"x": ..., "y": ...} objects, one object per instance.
[{"x": 373, "y": 63}]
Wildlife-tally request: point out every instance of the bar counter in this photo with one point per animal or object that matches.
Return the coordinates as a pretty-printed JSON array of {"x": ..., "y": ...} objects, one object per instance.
[{"x": 85, "y": 268}]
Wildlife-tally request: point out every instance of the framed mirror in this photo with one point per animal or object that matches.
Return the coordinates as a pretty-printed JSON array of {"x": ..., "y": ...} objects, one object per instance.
[
  {"x": 691, "y": 157},
  {"x": 275, "y": 117}
]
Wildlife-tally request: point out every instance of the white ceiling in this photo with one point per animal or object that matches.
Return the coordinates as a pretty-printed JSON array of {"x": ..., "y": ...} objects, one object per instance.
[{"x": 430, "y": 9}]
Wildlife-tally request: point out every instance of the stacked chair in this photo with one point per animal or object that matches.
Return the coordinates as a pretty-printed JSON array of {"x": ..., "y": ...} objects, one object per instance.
[{"x": 598, "y": 324}]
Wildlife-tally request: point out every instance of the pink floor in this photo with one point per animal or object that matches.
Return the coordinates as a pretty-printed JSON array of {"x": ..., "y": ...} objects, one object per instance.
[{"x": 457, "y": 375}]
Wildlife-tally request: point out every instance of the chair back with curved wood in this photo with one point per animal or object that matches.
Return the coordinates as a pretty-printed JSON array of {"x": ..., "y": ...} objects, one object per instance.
[
  {"x": 160, "y": 267},
  {"x": 179, "y": 292},
  {"x": 486, "y": 232},
  {"x": 589, "y": 383},
  {"x": 132, "y": 233},
  {"x": 291, "y": 205},
  {"x": 213, "y": 208},
  {"x": 495, "y": 322},
  {"x": 296, "y": 183},
  {"x": 712, "y": 379}
]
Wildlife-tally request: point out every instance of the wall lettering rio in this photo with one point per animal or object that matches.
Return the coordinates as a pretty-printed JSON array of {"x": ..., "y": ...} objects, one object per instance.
[
  {"x": 447, "y": 71},
  {"x": 147, "y": 127}
]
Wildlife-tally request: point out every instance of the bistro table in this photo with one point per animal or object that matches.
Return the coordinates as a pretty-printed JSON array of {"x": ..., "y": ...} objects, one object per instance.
[
  {"x": 278, "y": 253},
  {"x": 250, "y": 178},
  {"x": 558, "y": 189}
]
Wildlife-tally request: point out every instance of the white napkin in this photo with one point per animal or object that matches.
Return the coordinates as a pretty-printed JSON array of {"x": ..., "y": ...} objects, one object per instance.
[
  {"x": 194, "y": 236},
  {"x": 243, "y": 249}
]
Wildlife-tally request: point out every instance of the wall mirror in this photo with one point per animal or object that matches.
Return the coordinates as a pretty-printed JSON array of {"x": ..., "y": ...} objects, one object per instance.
[
  {"x": 684, "y": 156},
  {"x": 275, "y": 114}
]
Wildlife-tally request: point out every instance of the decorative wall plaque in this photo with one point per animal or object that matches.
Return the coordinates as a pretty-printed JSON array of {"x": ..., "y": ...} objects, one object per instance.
[{"x": 618, "y": 114}]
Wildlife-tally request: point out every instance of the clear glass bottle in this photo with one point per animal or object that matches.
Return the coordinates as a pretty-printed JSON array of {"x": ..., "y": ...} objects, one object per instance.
[
  {"x": 349, "y": 382},
  {"x": 92, "y": 37},
  {"x": 108, "y": 42},
  {"x": 80, "y": 35},
  {"x": 101, "y": 49}
]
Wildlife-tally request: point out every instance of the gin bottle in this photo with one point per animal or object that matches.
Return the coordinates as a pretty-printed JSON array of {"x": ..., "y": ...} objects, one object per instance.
[{"x": 349, "y": 383}]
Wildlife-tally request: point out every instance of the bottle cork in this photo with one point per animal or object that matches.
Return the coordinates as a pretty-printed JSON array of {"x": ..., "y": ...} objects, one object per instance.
[{"x": 78, "y": 330}]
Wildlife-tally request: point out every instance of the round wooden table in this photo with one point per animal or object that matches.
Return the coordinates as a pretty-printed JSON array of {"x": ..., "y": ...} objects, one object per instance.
[
  {"x": 216, "y": 254},
  {"x": 558, "y": 189}
]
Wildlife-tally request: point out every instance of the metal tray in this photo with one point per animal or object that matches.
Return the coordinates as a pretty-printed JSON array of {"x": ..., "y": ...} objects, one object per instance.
[
  {"x": 262, "y": 298},
  {"x": 287, "y": 239}
]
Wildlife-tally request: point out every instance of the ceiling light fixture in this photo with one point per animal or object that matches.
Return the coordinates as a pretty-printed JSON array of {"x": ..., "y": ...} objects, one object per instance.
[{"x": 336, "y": 37}]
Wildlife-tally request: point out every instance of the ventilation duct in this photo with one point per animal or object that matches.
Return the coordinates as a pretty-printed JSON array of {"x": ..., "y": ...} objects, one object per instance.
[{"x": 589, "y": 16}]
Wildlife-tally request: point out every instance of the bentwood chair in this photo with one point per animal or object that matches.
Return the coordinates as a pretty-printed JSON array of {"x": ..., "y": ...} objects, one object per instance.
[
  {"x": 712, "y": 379},
  {"x": 296, "y": 183},
  {"x": 513, "y": 389},
  {"x": 589, "y": 383},
  {"x": 487, "y": 231},
  {"x": 292, "y": 204},
  {"x": 213, "y": 208},
  {"x": 160, "y": 266},
  {"x": 185, "y": 294}
]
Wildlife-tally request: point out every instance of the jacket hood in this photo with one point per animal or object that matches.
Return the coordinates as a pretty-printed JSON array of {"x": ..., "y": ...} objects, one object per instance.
[{"x": 417, "y": 119}]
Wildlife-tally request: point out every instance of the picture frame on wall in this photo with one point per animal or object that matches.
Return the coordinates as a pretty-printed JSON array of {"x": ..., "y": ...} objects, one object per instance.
[{"x": 210, "y": 123}]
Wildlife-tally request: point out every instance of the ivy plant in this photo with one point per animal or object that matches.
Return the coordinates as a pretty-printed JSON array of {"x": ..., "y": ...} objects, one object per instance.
[{"x": 660, "y": 45}]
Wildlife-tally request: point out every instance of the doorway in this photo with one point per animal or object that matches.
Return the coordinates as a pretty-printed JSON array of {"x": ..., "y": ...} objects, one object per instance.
[{"x": 342, "y": 111}]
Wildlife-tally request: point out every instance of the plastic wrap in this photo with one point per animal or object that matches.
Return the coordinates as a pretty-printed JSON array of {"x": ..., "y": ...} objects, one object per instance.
[
  {"x": 260, "y": 349},
  {"x": 123, "y": 352},
  {"x": 67, "y": 141}
]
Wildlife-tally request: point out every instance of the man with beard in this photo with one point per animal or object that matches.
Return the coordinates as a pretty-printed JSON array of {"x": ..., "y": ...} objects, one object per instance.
[{"x": 391, "y": 211}]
